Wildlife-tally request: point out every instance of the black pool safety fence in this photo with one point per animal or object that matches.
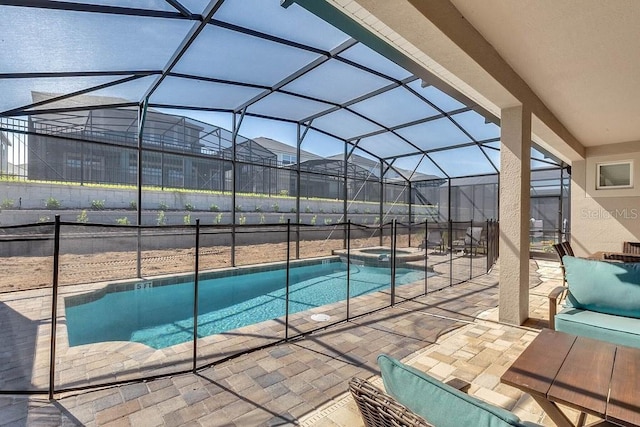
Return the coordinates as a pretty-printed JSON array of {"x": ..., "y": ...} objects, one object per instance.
[{"x": 52, "y": 266}]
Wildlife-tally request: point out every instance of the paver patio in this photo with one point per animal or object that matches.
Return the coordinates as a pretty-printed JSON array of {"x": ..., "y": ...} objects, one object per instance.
[{"x": 451, "y": 332}]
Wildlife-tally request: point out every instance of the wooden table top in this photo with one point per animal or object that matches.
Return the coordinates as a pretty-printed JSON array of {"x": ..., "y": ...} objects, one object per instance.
[
  {"x": 591, "y": 376},
  {"x": 615, "y": 256}
]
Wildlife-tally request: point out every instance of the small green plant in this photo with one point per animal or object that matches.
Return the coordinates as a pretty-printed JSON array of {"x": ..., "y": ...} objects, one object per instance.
[
  {"x": 123, "y": 221},
  {"x": 82, "y": 217},
  {"x": 364, "y": 221},
  {"x": 214, "y": 208},
  {"x": 97, "y": 205},
  {"x": 189, "y": 207},
  {"x": 293, "y": 210},
  {"x": 334, "y": 210},
  {"x": 163, "y": 206},
  {"x": 258, "y": 208},
  {"x": 275, "y": 207},
  {"x": 328, "y": 221},
  {"x": 133, "y": 205},
  {"x": 218, "y": 218},
  {"x": 367, "y": 210},
  {"x": 376, "y": 220},
  {"x": 262, "y": 219},
  {"x": 283, "y": 193},
  {"x": 281, "y": 220},
  {"x": 308, "y": 209},
  {"x": 7, "y": 203},
  {"x": 186, "y": 219},
  {"x": 44, "y": 219},
  {"x": 242, "y": 220},
  {"x": 321, "y": 210},
  {"x": 238, "y": 208},
  {"x": 161, "y": 219},
  {"x": 314, "y": 219},
  {"x": 53, "y": 203}
]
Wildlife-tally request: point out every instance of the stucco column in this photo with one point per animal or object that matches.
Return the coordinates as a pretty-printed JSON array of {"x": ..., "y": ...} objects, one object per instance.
[{"x": 515, "y": 177}]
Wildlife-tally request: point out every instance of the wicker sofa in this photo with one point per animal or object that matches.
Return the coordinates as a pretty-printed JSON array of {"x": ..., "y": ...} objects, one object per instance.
[
  {"x": 601, "y": 301},
  {"x": 417, "y": 399}
]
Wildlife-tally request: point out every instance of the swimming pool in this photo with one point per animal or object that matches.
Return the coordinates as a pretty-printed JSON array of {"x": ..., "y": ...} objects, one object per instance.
[{"x": 162, "y": 316}]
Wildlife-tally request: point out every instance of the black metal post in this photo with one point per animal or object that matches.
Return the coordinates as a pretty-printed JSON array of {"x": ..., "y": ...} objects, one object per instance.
[
  {"x": 488, "y": 243},
  {"x": 450, "y": 237},
  {"x": 348, "y": 265},
  {"x": 142, "y": 114},
  {"x": 286, "y": 318},
  {"x": 345, "y": 191},
  {"x": 410, "y": 216},
  {"x": 54, "y": 305},
  {"x": 471, "y": 249},
  {"x": 195, "y": 295},
  {"x": 381, "y": 207},
  {"x": 234, "y": 188},
  {"x": 393, "y": 261},
  {"x": 450, "y": 243},
  {"x": 299, "y": 138},
  {"x": 426, "y": 267}
]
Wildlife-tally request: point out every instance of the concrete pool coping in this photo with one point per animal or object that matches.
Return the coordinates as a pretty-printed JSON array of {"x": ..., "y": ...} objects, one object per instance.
[
  {"x": 92, "y": 365},
  {"x": 100, "y": 289}
]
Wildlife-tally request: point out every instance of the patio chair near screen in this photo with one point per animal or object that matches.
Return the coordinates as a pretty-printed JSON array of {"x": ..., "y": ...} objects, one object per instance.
[
  {"x": 472, "y": 241},
  {"x": 433, "y": 240}
]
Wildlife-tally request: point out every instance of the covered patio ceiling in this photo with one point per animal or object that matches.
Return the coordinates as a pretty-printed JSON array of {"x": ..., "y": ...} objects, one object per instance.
[
  {"x": 572, "y": 62},
  {"x": 250, "y": 58}
]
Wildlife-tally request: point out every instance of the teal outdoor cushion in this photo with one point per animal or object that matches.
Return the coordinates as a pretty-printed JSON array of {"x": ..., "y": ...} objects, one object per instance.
[
  {"x": 600, "y": 326},
  {"x": 437, "y": 402},
  {"x": 604, "y": 287}
]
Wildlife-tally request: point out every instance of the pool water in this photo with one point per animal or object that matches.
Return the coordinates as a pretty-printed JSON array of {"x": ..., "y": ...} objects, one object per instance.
[{"x": 162, "y": 316}]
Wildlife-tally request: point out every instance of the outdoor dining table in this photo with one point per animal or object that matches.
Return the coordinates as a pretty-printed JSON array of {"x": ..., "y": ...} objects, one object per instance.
[{"x": 593, "y": 377}]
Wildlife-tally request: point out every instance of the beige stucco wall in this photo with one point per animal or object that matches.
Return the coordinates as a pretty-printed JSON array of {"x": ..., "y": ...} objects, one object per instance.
[{"x": 602, "y": 219}]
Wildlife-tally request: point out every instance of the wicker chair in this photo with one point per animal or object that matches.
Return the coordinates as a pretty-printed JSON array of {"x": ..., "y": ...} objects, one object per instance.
[
  {"x": 378, "y": 409},
  {"x": 559, "y": 293},
  {"x": 567, "y": 248},
  {"x": 562, "y": 249},
  {"x": 631, "y": 247}
]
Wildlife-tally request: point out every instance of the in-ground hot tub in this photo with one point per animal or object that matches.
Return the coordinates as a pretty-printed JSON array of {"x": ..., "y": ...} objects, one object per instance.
[
  {"x": 380, "y": 256},
  {"x": 384, "y": 251}
]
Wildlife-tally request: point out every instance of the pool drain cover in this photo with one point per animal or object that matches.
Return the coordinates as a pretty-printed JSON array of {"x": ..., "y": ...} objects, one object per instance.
[{"x": 320, "y": 317}]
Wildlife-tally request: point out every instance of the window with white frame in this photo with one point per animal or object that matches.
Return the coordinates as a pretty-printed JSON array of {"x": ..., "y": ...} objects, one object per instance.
[
  {"x": 289, "y": 159},
  {"x": 614, "y": 175}
]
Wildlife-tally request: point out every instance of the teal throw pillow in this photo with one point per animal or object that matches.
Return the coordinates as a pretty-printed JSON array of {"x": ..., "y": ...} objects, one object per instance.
[{"x": 605, "y": 287}]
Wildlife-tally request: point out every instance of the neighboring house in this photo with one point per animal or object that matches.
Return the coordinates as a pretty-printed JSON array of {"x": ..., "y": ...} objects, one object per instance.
[
  {"x": 100, "y": 146},
  {"x": 287, "y": 154},
  {"x": 62, "y": 155},
  {"x": 4, "y": 154}
]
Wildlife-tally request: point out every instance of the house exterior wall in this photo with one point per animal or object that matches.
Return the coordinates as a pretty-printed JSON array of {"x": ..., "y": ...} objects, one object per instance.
[{"x": 602, "y": 219}]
